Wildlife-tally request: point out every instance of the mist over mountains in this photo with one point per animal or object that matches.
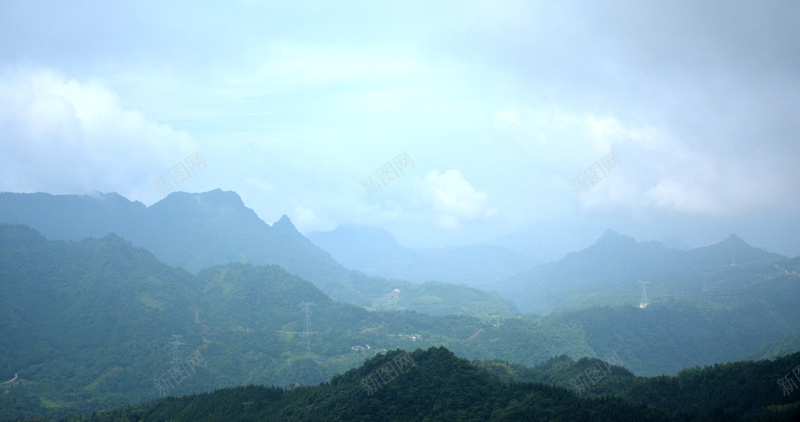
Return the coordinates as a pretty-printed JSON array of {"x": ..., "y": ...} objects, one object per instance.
[
  {"x": 610, "y": 272},
  {"x": 95, "y": 290},
  {"x": 374, "y": 251},
  {"x": 533, "y": 210},
  {"x": 195, "y": 231}
]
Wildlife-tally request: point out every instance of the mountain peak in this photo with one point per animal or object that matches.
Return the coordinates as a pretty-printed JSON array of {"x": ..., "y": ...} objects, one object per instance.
[
  {"x": 111, "y": 198},
  {"x": 734, "y": 238},
  {"x": 284, "y": 224},
  {"x": 734, "y": 242},
  {"x": 735, "y": 250},
  {"x": 220, "y": 197},
  {"x": 611, "y": 237},
  {"x": 611, "y": 234}
]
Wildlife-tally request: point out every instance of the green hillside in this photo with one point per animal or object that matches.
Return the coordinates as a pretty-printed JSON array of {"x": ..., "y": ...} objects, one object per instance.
[
  {"x": 436, "y": 385},
  {"x": 784, "y": 346},
  {"x": 100, "y": 323}
]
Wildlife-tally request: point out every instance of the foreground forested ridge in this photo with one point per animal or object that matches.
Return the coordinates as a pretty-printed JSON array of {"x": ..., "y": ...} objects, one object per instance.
[
  {"x": 89, "y": 325},
  {"x": 750, "y": 390},
  {"x": 436, "y": 385}
]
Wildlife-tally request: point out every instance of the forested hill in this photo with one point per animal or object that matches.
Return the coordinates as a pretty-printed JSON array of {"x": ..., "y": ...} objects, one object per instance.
[
  {"x": 435, "y": 385},
  {"x": 749, "y": 390},
  {"x": 200, "y": 230},
  {"x": 94, "y": 324},
  {"x": 192, "y": 231},
  {"x": 611, "y": 271}
]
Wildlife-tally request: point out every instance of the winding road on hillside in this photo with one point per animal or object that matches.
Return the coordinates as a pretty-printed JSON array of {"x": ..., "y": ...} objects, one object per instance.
[
  {"x": 785, "y": 270},
  {"x": 373, "y": 329},
  {"x": 11, "y": 380},
  {"x": 197, "y": 320}
]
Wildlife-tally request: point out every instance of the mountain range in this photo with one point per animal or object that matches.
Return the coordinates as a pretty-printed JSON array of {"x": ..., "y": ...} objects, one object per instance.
[
  {"x": 94, "y": 323},
  {"x": 98, "y": 322},
  {"x": 617, "y": 269},
  {"x": 196, "y": 231}
]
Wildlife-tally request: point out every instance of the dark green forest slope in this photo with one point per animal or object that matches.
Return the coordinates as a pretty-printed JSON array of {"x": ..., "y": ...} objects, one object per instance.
[
  {"x": 435, "y": 385},
  {"x": 784, "y": 346},
  {"x": 740, "y": 389}
]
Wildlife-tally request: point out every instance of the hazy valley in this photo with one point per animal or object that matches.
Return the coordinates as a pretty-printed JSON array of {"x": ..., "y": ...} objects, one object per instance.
[{"x": 99, "y": 312}]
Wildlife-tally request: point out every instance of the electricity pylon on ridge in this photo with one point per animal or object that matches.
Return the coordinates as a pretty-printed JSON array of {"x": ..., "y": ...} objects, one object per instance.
[
  {"x": 643, "y": 301},
  {"x": 307, "y": 326}
]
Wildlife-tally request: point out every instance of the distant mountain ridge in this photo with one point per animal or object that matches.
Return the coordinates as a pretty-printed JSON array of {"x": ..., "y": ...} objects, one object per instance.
[
  {"x": 613, "y": 267},
  {"x": 217, "y": 219},
  {"x": 374, "y": 251},
  {"x": 200, "y": 230}
]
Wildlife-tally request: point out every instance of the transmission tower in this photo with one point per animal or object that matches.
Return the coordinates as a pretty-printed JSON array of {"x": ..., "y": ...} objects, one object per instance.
[
  {"x": 643, "y": 302},
  {"x": 176, "y": 343},
  {"x": 307, "y": 326}
]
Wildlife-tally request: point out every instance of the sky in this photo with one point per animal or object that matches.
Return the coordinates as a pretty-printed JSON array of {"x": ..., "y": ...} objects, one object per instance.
[{"x": 493, "y": 115}]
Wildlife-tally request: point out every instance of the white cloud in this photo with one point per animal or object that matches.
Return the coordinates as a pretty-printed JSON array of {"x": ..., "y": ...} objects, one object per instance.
[
  {"x": 454, "y": 200},
  {"x": 297, "y": 105},
  {"x": 683, "y": 197},
  {"x": 306, "y": 220},
  {"x": 61, "y": 135},
  {"x": 553, "y": 137}
]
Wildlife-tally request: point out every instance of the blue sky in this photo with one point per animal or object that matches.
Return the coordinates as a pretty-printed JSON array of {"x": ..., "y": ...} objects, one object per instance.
[{"x": 499, "y": 104}]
